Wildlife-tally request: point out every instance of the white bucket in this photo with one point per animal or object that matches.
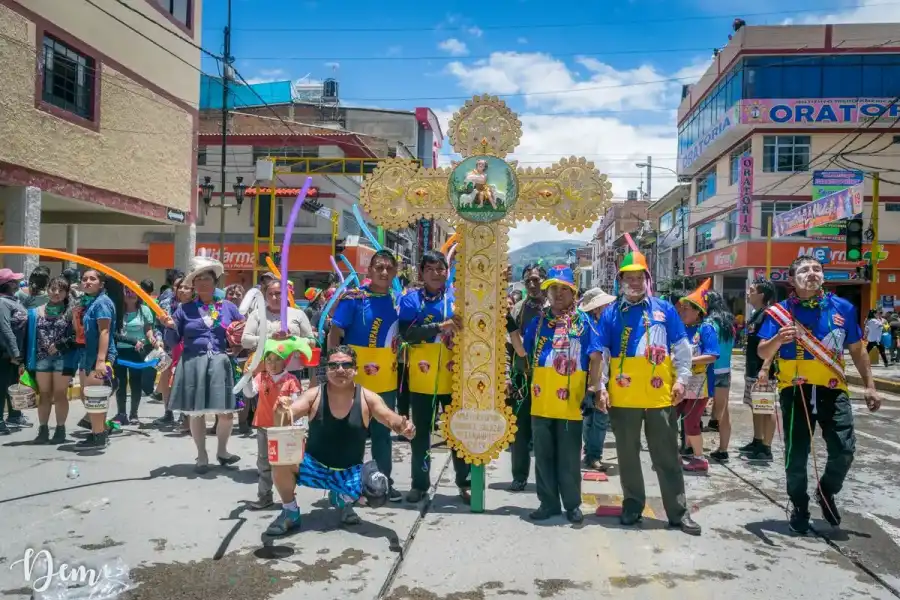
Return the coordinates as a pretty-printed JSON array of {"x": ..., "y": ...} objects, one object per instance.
[
  {"x": 210, "y": 419},
  {"x": 286, "y": 444},
  {"x": 21, "y": 396},
  {"x": 96, "y": 398},
  {"x": 762, "y": 401}
]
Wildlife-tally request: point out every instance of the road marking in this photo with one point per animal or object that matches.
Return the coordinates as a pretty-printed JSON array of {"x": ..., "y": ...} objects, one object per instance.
[
  {"x": 892, "y": 531},
  {"x": 878, "y": 439}
]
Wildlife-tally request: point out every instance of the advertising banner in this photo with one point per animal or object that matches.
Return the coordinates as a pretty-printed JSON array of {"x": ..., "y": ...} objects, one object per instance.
[
  {"x": 843, "y": 199},
  {"x": 824, "y": 184},
  {"x": 708, "y": 137},
  {"x": 745, "y": 197},
  {"x": 818, "y": 110}
]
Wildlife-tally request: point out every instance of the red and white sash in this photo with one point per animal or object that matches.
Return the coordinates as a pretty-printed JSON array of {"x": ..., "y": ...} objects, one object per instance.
[{"x": 809, "y": 342}]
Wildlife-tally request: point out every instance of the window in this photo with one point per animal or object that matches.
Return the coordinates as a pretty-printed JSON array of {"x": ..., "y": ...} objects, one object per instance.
[
  {"x": 69, "y": 79},
  {"x": 735, "y": 162},
  {"x": 179, "y": 10},
  {"x": 706, "y": 186},
  {"x": 731, "y": 227},
  {"x": 777, "y": 208},
  {"x": 892, "y": 207},
  {"x": 201, "y": 156},
  {"x": 841, "y": 76},
  {"x": 703, "y": 237},
  {"x": 665, "y": 222},
  {"x": 287, "y": 152},
  {"x": 785, "y": 153},
  {"x": 351, "y": 227},
  {"x": 711, "y": 110}
]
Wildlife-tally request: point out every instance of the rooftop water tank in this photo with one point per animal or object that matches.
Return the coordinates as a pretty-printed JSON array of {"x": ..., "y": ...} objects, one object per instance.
[{"x": 330, "y": 90}]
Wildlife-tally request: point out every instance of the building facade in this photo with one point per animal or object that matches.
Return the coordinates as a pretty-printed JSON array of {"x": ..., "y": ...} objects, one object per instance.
[
  {"x": 98, "y": 119},
  {"x": 620, "y": 218},
  {"x": 777, "y": 111},
  {"x": 668, "y": 217}
]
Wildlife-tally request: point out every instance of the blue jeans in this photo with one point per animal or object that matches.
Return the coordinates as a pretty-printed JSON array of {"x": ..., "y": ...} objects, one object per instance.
[{"x": 596, "y": 424}]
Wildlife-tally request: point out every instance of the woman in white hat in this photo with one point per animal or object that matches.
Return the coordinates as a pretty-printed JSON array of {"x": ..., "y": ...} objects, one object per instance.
[{"x": 204, "y": 379}]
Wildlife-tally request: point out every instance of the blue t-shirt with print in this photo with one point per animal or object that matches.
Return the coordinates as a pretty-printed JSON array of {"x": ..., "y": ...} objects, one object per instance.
[
  {"x": 704, "y": 342},
  {"x": 417, "y": 308},
  {"x": 835, "y": 319},
  {"x": 660, "y": 315},
  {"x": 367, "y": 318}
]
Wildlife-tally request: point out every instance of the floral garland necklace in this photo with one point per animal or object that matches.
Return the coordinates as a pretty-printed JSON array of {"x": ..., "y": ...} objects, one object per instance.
[
  {"x": 821, "y": 299},
  {"x": 210, "y": 313}
]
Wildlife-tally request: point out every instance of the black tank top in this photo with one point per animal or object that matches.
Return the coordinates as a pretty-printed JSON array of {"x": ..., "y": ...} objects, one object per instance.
[{"x": 337, "y": 443}]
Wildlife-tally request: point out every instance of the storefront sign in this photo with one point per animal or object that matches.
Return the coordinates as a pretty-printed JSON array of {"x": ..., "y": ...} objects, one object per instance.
[
  {"x": 781, "y": 275},
  {"x": 716, "y": 260},
  {"x": 843, "y": 204},
  {"x": 236, "y": 259},
  {"x": 887, "y": 302},
  {"x": 745, "y": 197},
  {"x": 706, "y": 139},
  {"x": 819, "y": 110},
  {"x": 240, "y": 257}
]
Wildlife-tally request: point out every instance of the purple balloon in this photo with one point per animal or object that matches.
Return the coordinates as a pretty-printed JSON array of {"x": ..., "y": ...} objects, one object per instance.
[
  {"x": 334, "y": 266},
  {"x": 285, "y": 251}
]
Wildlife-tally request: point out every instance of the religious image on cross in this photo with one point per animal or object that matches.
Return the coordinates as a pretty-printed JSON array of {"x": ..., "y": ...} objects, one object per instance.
[{"x": 482, "y": 196}]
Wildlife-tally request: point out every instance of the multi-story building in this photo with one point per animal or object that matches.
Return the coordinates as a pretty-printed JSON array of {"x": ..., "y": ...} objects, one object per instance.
[
  {"x": 620, "y": 218},
  {"x": 98, "y": 119},
  {"x": 797, "y": 100},
  {"x": 667, "y": 216}
]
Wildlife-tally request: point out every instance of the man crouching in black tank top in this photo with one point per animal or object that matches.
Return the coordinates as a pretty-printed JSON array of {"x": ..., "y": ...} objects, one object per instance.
[{"x": 339, "y": 412}]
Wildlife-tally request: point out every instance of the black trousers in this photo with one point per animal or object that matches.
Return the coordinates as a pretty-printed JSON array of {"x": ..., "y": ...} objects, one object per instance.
[
  {"x": 834, "y": 415},
  {"x": 880, "y": 347},
  {"x": 520, "y": 449},
  {"x": 661, "y": 429},
  {"x": 129, "y": 380},
  {"x": 424, "y": 408},
  {"x": 403, "y": 391},
  {"x": 148, "y": 381},
  {"x": 557, "y": 462},
  {"x": 9, "y": 375}
]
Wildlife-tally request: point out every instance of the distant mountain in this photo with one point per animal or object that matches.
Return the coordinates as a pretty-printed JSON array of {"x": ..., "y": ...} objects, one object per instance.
[{"x": 551, "y": 253}]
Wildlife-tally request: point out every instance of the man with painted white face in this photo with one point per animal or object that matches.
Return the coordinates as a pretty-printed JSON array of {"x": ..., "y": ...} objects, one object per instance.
[
  {"x": 642, "y": 355},
  {"x": 806, "y": 335}
]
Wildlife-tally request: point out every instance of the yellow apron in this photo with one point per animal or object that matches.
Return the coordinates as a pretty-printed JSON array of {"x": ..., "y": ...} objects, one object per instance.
[
  {"x": 556, "y": 396},
  {"x": 428, "y": 372},
  {"x": 376, "y": 368},
  {"x": 812, "y": 371},
  {"x": 641, "y": 392}
]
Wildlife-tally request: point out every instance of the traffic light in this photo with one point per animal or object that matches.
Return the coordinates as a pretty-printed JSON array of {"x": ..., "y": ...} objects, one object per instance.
[
  {"x": 311, "y": 204},
  {"x": 854, "y": 239},
  {"x": 339, "y": 247}
]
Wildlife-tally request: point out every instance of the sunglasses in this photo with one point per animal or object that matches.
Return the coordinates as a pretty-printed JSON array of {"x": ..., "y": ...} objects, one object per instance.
[
  {"x": 345, "y": 365},
  {"x": 533, "y": 280}
]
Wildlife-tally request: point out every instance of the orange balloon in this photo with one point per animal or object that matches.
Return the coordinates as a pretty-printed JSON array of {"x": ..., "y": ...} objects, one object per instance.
[
  {"x": 131, "y": 285},
  {"x": 271, "y": 264},
  {"x": 449, "y": 243}
]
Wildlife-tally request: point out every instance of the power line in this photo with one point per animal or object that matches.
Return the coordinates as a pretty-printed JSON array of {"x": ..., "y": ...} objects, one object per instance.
[
  {"x": 166, "y": 29},
  {"x": 569, "y": 25}
]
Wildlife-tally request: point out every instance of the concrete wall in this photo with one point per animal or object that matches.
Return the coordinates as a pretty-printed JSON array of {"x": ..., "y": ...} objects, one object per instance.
[{"x": 144, "y": 146}]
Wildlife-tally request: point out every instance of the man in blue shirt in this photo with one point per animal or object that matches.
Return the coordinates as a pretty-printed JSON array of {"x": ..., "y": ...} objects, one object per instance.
[{"x": 806, "y": 336}]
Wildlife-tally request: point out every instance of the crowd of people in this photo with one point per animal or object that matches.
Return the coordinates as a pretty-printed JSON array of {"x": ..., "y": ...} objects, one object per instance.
[{"x": 577, "y": 367}]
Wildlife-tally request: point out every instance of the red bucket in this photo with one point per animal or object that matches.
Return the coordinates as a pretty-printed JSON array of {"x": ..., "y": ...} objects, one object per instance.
[{"x": 313, "y": 360}]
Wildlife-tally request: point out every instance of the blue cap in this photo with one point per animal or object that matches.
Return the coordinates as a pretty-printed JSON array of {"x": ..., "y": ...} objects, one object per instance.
[{"x": 560, "y": 275}]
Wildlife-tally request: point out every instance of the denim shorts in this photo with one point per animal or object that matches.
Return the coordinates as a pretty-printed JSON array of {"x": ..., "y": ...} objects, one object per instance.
[
  {"x": 56, "y": 364},
  {"x": 723, "y": 380}
]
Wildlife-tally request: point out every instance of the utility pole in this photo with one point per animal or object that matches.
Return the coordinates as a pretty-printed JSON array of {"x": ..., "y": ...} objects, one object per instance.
[
  {"x": 681, "y": 215},
  {"x": 226, "y": 78},
  {"x": 876, "y": 249},
  {"x": 649, "y": 177}
]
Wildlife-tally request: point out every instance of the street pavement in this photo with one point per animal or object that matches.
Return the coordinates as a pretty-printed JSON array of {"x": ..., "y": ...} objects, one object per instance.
[{"x": 186, "y": 536}]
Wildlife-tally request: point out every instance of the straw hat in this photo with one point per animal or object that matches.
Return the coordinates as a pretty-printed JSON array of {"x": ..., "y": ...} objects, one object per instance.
[
  {"x": 200, "y": 264},
  {"x": 595, "y": 298}
]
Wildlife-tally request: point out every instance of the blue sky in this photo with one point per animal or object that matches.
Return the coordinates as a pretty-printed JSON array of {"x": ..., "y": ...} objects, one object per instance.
[{"x": 597, "y": 82}]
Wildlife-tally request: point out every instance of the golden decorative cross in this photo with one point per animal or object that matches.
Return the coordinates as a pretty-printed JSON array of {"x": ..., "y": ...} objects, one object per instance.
[{"x": 483, "y": 196}]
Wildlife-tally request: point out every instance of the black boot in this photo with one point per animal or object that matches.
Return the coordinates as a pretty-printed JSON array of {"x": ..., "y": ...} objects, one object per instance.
[
  {"x": 87, "y": 442},
  {"x": 43, "y": 436},
  {"x": 59, "y": 435}
]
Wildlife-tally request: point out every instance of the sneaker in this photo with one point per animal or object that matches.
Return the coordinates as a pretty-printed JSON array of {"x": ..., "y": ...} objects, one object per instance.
[
  {"x": 59, "y": 435},
  {"x": 121, "y": 419},
  {"x": 156, "y": 397},
  {"x": 165, "y": 420},
  {"x": 712, "y": 426},
  {"x": 19, "y": 420},
  {"x": 799, "y": 522},
  {"x": 394, "y": 495},
  {"x": 285, "y": 523},
  {"x": 4, "y": 430},
  {"x": 84, "y": 423},
  {"x": 696, "y": 465},
  {"x": 762, "y": 453},
  {"x": 43, "y": 436},
  {"x": 593, "y": 465},
  {"x": 93, "y": 440},
  {"x": 829, "y": 509},
  {"x": 751, "y": 447},
  {"x": 687, "y": 452},
  {"x": 719, "y": 455}
]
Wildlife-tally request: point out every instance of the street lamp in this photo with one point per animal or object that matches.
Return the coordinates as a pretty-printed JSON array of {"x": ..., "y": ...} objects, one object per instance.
[
  {"x": 239, "y": 189},
  {"x": 207, "y": 187}
]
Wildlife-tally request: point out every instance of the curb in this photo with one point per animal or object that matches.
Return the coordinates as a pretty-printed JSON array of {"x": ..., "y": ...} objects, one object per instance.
[{"x": 882, "y": 385}]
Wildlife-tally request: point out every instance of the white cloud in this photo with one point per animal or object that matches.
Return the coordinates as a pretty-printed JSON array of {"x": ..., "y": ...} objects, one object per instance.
[
  {"x": 475, "y": 31},
  {"x": 268, "y": 76},
  {"x": 454, "y": 47},
  {"x": 865, "y": 11},
  {"x": 549, "y": 84}
]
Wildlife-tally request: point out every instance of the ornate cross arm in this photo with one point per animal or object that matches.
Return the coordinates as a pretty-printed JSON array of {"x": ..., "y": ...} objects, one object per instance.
[
  {"x": 571, "y": 194},
  {"x": 398, "y": 192}
]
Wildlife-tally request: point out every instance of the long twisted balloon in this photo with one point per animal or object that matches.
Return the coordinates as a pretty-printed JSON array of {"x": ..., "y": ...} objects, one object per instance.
[
  {"x": 396, "y": 285},
  {"x": 286, "y": 250},
  {"x": 337, "y": 270},
  {"x": 329, "y": 304}
]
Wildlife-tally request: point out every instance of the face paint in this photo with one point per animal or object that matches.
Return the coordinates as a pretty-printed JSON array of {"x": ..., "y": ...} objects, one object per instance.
[{"x": 808, "y": 278}]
